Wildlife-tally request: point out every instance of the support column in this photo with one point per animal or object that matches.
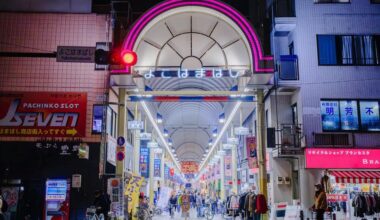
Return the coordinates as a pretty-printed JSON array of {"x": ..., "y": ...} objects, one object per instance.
[
  {"x": 261, "y": 148},
  {"x": 123, "y": 133},
  {"x": 151, "y": 175},
  {"x": 222, "y": 179},
  {"x": 136, "y": 147},
  {"x": 162, "y": 169},
  {"x": 234, "y": 168}
]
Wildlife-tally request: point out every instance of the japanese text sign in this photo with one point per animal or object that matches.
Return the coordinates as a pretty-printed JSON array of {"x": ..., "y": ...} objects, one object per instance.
[
  {"x": 43, "y": 114},
  {"x": 339, "y": 158},
  {"x": 189, "y": 167}
]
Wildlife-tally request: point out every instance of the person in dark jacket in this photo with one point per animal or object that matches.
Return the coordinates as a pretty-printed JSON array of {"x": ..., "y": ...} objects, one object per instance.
[
  {"x": 172, "y": 204},
  {"x": 102, "y": 203},
  {"x": 320, "y": 201}
]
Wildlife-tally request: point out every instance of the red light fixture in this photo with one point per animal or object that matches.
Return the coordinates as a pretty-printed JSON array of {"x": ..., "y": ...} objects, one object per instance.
[{"x": 129, "y": 58}]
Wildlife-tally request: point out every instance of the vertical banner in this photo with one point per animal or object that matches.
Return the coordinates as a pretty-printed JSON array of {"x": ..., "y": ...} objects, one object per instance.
[
  {"x": 43, "y": 114},
  {"x": 370, "y": 115},
  {"x": 251, "y": 152},
  {"x": 227, "y": 166},
  {"x": 144, "y": 159},
  {"x": 157, "y": 168},
  {"x": 133, "y": 190},
  {"x": 330, "y": 115}
]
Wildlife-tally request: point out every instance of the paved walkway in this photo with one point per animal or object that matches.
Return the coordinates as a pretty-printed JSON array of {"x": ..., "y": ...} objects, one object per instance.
[{"x": 193, "y": 216}]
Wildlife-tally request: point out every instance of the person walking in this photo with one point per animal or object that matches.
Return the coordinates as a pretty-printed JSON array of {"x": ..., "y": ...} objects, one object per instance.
[
  {"x": 172, "y": 204},
  {"x": 185, "y": 205},
  {"x": 320, "y": 201},
  {"x": 198, "y": 203},
  {"x": 102, "y": 203}
]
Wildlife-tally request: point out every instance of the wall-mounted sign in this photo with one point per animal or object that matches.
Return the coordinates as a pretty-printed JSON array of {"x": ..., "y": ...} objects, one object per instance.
[
  {"x": 251, "y": 152},
  {"x": 144, "y": 159},
  {"x": 157, "y": 168},
  {"x": 97, "y": 119},
  {"x": 111, "y": 151},
  {"x": 199, "y": 73},
  {"x": 152, "y": 144},
  {"x": 330, "y": 115},
  {"x": 233, "y": 140},
  {"x": 43, "y": 114},
  {"x": 369, "y": 115},
  {"x": 241, "y": 131},
  {"x": 145, "y": 136},
  {"x": 189, "y": 167},
  {"x": 135, "y": 125},
  {"x": 339, "y": 158},
  {"x": 349, "y": 115},
  {"x": 56, "y": 190},
  {"x": 337, "y": 197},
  {"x": 120, "y": 141},
  {"x": 76, "y": 54},
  {"x": 76, "y": 181}
]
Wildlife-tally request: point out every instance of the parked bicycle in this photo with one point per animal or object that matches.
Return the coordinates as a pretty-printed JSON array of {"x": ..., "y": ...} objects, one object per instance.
[{"x": 91, "y": 214}]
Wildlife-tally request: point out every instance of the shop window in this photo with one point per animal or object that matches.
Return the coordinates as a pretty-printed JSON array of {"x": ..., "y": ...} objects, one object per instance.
[
  {"x": 111, "y": 122},
  {"x": 350, "y": 115},
  {"x": 348, "y": 49}
]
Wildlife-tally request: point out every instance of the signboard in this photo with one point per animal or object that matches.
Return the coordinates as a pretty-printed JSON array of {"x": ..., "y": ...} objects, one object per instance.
[
  {"x": 120, "y": 141},
  {"x": 227, "y": 146},
  {"x": 198, "y": 73},
  {"x": 152, "y": 144},
  {"x": 338, "y": 158},
  {"x": 241, "y": 131},
  {"x": 189, "y": 167},
  {"x": 43, "y": 114},
  {"x": 145, "y": 136},
  {"x": 144, "y": 159},
  {"x": 330, "y": 115},
  {"x": 251, "y": 152},
  {"x": 337, "y": 197},
  {"x": 115, "y": 191},
  {"x": 369, "y": 115},
  {"x": 135, "y": 125},
  {"x": 292, "y": 212},
  {"x": 56, "y": 190},
  {"x": 349, "y": 115},
  {"x": 97, "y": 119},
  {"x": 227, "y": 165},
  {"x": 76, "y": 181},
  {"x": 75, "y": 54},
  {"x": 133, "y": 190},
  {"x": 233, "y": 141},
  {"x": 111, "y": 151},
  {"x": 157, "y": 167},
  {"x": 166, "y": 172}
]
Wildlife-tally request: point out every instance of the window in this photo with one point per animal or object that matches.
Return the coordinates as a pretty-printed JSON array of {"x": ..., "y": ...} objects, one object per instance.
[
  {"x": 375, "y": 1},
  {"x": 295, "y": 114},
  {"x": 332, "y": 1},
  {"x": 348, "y": 49},
  {"x": 111, "y": 122},
  {"x": 350, "y": 115}
]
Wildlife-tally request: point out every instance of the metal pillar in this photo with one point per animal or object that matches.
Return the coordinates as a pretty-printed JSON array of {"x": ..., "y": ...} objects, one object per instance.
[
  {"x": 222, "y": 180},
  {"x": 136, "y": 147},
  {"x": 162, "y": 169},
  {"x": 234, "y": 165},
  {"x": 261, "y": 148},
  {"x": 123, "y": 133},
  {"x": 151, "y": 175}
]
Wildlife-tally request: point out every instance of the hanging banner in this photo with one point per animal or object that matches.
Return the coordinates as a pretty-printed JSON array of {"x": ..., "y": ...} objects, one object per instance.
[
  {"x": 157, "y": 168},
  {"x": 166, "y": 172},
  {"x": 188, "y": 167},
  {"x": 133, "y": 190},
  {"x": 43, "y": 114},
  {"x": 144, "y": 159},
  {"x": 227, "y": 164},
  {"x": 251, "y": 152}
]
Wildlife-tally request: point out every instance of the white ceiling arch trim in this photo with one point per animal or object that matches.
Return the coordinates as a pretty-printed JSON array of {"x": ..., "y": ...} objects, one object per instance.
[{"x": 216, "y": 15}]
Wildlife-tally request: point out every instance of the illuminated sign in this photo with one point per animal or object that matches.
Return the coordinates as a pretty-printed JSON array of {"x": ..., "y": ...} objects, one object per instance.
[
  {"x": 56, "y": 190},
  {"x": 340, "y": 158},
  {"x": 200, "y": 73}
]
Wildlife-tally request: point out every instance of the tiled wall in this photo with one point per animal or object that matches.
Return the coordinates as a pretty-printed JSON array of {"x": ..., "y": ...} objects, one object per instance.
[{"x": 42, "y": 33}]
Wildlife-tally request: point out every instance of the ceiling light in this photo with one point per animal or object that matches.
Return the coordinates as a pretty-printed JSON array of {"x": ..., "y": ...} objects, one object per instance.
[
  {"x": 215, "y": 132},
  {"x": 225, "y": 127},
  {"x": 166, "y": 133},
  {"x": 159, "y": 118},
  {"x": 222, "y": 118}
]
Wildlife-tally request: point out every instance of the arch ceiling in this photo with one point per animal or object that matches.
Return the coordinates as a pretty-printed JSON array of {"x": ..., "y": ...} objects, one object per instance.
[{"x": 190, "y": 35}]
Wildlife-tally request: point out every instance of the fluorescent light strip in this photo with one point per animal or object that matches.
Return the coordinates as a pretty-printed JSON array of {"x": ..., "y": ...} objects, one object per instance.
[
  {"x": 225, "y": 127},
  {"x": 143, "y": 104}
]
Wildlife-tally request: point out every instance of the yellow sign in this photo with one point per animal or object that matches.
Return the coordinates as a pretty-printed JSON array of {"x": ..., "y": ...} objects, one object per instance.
[
  {"x": 132, "y": 192},
  {"x": 366, "y": 188}
]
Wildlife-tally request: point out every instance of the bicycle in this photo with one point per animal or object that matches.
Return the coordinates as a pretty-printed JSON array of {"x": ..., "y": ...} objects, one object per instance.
[
  {"x": 208, "y": 212},
  {"x": 91, "y": 214},
  {"x": 144, "y": 213}
]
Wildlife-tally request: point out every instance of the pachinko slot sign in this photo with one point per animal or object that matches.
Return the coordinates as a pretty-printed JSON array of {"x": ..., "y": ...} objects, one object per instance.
[{"x": 43, "y": 114}]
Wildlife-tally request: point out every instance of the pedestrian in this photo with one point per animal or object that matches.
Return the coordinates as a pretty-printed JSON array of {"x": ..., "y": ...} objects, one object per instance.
[
  {"x": 320, "y": 201},
  {"x": 102, "y": 203},
  {"x": 179, "y": 201},
  {"x": 198, "y": 203},
  {"x": 185, "y": 205},
  {"x": 172, "y": 204}
]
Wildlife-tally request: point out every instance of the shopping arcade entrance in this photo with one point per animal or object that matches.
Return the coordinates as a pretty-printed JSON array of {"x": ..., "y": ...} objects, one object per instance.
[{"x": 196, "y": 61}]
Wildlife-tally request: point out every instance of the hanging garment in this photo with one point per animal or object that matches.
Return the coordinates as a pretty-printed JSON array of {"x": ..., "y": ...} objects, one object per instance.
[
  {"x": 234, "y": 202},
  {"x": 261, "y": 204},
  {"x": 242, "y": 202},
  {"x": 358, "y": 203}
]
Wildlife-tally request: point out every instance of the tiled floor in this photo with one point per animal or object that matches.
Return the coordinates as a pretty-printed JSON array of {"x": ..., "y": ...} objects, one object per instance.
[{"x": 193, "y": 216}]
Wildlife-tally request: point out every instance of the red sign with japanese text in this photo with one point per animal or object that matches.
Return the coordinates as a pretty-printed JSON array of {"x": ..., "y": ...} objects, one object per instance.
[
  {"x": 189, "y": 167},
  {"x": 251, "y": 152},
  {"x": 337, "y": 197},
  {"x": 339, "y": 158},
  {"x": 43, "y": 114}
]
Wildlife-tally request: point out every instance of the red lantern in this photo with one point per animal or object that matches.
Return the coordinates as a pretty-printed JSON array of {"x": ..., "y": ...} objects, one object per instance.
[{"x": 171, "y": 171}]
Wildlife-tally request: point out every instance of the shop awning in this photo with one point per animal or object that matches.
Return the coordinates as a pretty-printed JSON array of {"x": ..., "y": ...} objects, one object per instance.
[{"x": 356, "y": 176}]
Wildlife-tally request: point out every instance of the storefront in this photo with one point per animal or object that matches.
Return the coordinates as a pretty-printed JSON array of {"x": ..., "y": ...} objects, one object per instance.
[{"x": 351, "y": 179}]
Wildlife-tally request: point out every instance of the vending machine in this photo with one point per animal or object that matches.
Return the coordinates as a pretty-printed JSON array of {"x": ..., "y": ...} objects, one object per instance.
[{"x": 57, "y": 199}]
